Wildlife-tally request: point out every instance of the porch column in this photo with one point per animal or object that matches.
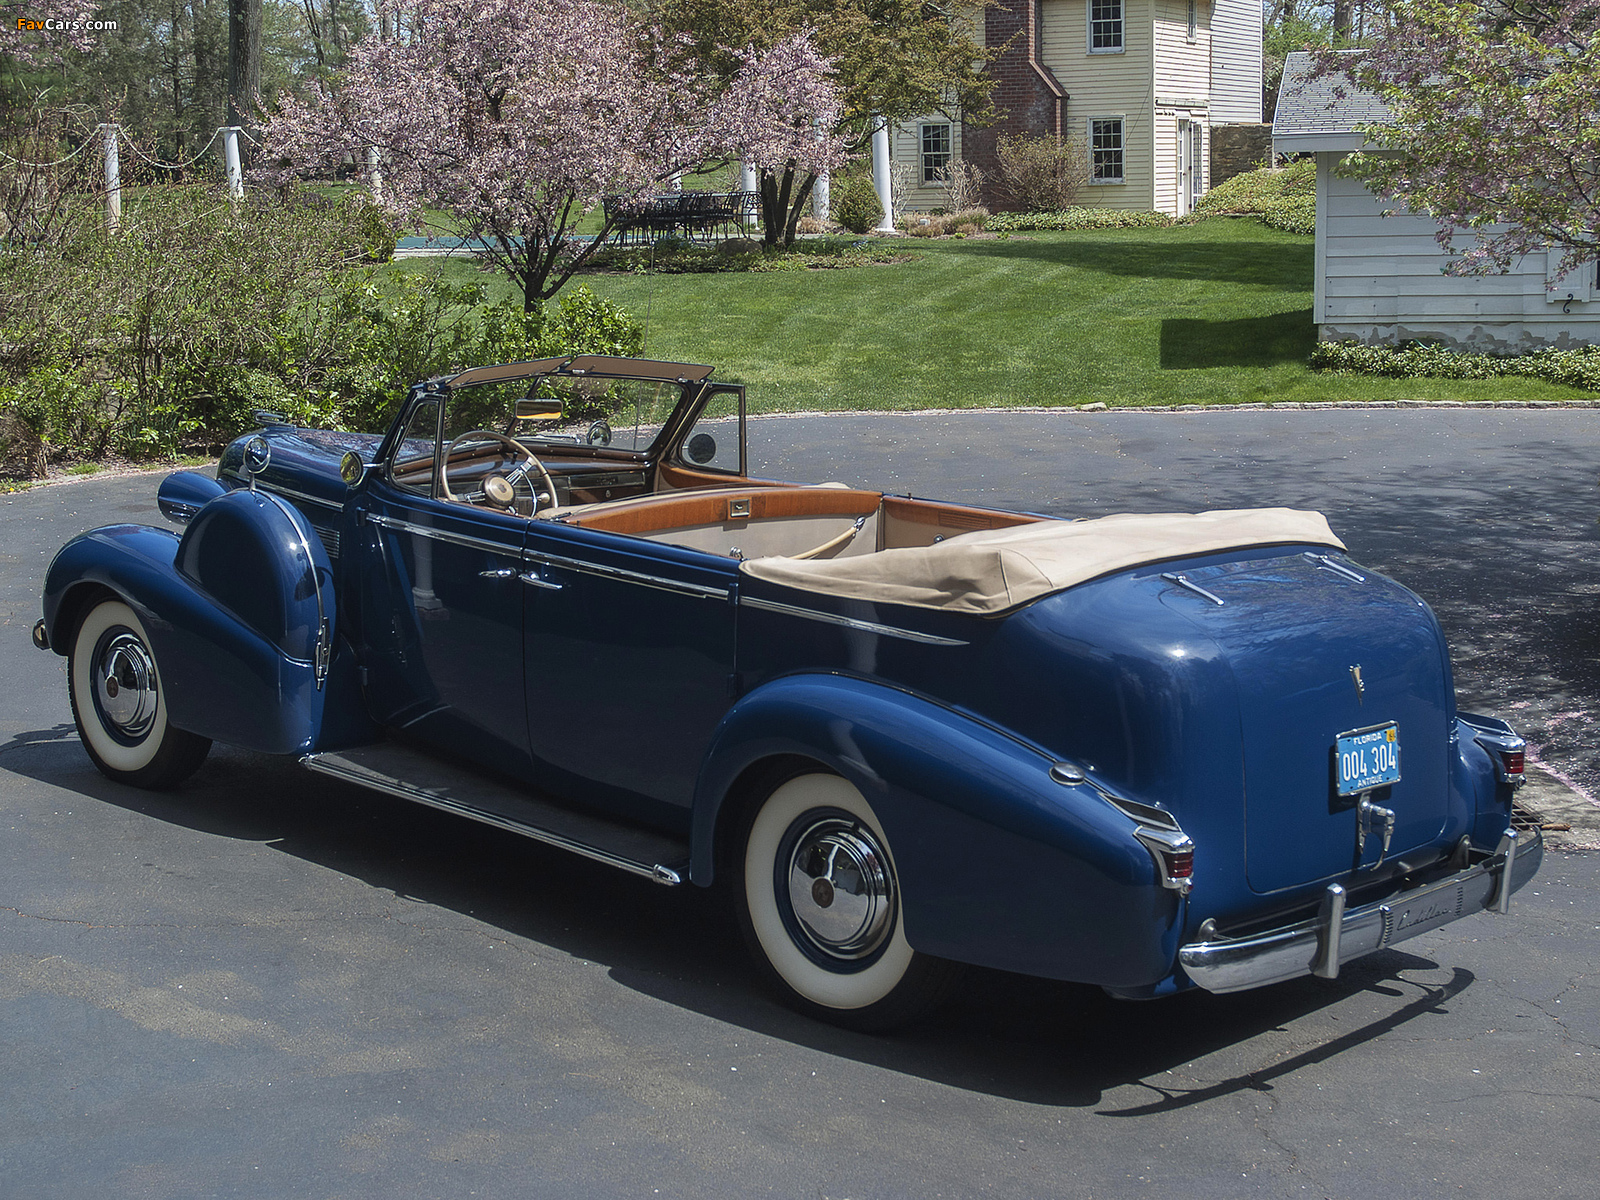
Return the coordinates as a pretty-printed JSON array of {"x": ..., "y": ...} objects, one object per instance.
[{"x": 881, "y": 175}]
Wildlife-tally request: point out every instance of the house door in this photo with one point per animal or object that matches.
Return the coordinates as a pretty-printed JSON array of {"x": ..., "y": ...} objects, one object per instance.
[{"x": 1191, "y": 175}]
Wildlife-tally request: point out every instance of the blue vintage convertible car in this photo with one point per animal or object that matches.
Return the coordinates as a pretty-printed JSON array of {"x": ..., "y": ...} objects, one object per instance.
[{"x": 1147, "y": 752}]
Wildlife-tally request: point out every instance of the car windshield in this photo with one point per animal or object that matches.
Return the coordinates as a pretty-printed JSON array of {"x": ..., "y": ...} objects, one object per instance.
[
  {"x": 632, "y": 411},
  {"x": 597, "y": 405}
]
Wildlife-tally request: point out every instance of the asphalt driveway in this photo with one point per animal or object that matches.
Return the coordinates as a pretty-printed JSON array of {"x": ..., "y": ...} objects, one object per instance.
[{"x": 268, "y": 984}]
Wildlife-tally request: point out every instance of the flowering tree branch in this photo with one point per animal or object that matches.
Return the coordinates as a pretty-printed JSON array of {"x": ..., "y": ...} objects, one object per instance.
[
  {"x": 519, "y": 116},
  {"x": 1494, "y": 125}
]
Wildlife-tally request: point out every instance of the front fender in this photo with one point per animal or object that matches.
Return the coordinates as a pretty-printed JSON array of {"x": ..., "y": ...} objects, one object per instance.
[
  {"x": 231, "y": 612},
  {"x": 999, "y": 864}
]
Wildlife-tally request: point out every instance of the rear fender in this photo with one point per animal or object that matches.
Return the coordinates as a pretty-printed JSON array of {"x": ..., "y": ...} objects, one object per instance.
[
  {"x": 1478, "y": 778},
  {"x": 998, "y": 864}
]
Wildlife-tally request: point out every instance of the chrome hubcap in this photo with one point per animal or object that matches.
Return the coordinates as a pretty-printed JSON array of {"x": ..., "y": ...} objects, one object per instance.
[
  {"x": 840, "y": 888},
  {"x": 125, "y": 685}
]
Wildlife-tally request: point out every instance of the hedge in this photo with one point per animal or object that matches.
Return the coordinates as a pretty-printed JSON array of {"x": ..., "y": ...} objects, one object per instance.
[{"x": 1429, "y": 360}]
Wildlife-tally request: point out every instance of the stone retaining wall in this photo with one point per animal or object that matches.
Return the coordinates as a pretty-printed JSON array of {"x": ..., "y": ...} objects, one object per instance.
[{"x": 1236, "y": 149}]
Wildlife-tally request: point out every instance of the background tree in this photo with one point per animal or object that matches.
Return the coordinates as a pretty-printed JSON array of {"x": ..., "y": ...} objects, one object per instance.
[
  {"x": 518, "y": 116},
  {"x": 894, "y": 59},
  {"x": 163, "y": 70},
  {"x": 1494, "y": 124},
  {"x": 1291, "y": 25}
]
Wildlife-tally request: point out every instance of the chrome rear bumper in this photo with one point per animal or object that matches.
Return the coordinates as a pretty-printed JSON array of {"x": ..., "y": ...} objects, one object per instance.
[{"x": 1336, "y": 935}]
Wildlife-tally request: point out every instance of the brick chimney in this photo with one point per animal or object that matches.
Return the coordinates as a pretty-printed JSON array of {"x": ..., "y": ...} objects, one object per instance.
[{"x": 1029, "y": 97}]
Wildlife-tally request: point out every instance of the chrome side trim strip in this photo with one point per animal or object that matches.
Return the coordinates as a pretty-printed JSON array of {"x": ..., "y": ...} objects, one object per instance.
[
  {"x": 698, "y": 590},
  {"x": 291, "y": 494},
  {"x": 442, "y": 535},
  {"x": 322, "y": 653},
  {"x": 660, "y": 873},
  {"x": 811, "y": 614},
  {"x": 681, "y": 587}
]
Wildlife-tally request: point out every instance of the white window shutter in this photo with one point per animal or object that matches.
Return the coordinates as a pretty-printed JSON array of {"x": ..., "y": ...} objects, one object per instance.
[{"x": 1578, "y": 284}]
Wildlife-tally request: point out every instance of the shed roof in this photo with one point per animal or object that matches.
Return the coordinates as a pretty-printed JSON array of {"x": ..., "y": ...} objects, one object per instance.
[{"x": 1321, "y": 112}]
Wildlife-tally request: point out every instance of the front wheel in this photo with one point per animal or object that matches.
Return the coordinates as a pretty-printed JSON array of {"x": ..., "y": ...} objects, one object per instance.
[
  {"x": 118, "y": 703},
  {"x": 819, "y": 903}
]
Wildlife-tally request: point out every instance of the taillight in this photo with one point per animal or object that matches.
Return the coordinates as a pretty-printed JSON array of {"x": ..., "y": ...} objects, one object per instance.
[
  {"x": 1180, "y": 865},
  {"x": 1173, "y": 852},
  {"x": 1511, "y": 766},
  {"x": 1504, "y": 747}
]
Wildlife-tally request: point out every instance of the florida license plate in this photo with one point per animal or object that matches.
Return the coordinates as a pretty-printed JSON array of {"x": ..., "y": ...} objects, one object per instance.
[{"x": 1367, "y": 758}]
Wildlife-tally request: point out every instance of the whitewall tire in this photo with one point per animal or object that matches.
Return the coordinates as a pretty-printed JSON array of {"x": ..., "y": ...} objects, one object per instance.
[
  {"x": 119, "y": 702},
  {"x": 819, "y": 902}
]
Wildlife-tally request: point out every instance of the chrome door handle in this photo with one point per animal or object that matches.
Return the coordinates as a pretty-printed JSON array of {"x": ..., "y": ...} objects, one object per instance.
[
  {"x": 533, "y": 580},
  {"x": 497, "y": 573}
]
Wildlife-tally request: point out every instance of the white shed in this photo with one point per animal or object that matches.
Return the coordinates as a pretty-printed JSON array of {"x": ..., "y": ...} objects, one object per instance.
[{"x": 1380, "y": 273}]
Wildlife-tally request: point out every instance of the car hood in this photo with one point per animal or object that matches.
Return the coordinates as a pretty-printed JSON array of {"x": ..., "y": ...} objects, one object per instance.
[{"x": 303, "y": 461}]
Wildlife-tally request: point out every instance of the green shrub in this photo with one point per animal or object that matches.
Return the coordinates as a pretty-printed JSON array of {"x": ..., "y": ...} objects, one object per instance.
[
  {"x": 965, "y": 221},
  {"x": 1253, "y": 192},
  {"x": 1293, "y": 214},
  {"x": 1039, "y": 174},
  {"x": 1429, "y": 360},
  {"x": 1078, "y": 218},
  {"x": 810, "y": 254},
  {"x": 853, "y": 202},
  {"x": 1284, "y": 199}
]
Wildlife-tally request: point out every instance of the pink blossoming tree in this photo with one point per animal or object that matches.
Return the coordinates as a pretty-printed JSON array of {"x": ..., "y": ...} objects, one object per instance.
[
  {"x": 518, "y": 116},
  {"x": 45, "y": 32},
  {"x": 1494, "y": 124}
]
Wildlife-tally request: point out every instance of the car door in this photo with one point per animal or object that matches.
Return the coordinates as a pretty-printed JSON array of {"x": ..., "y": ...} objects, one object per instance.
[
  {"x": 629, "y": 642},
  {"x": 442, "y": 609},
  {"x": 629, "y": 656}
]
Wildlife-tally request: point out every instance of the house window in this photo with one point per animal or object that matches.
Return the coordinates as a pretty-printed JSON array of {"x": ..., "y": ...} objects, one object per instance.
[
  {"x": 1105, "y": 26},
  {"x": 1194, "y": 18},
  {"x": 1105, "y": 150},
  {"x": 935, "y": 151}
]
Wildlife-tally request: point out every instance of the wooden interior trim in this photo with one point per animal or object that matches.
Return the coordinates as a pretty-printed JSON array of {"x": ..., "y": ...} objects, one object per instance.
[
  {"x": 682, "y": 477},
  {"x": 950, "y": 516},
  {"x": 681, "y": 511}
]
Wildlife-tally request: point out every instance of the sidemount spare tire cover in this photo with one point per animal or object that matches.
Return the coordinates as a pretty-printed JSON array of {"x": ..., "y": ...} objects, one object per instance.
[{"x": 256, "y": 555}]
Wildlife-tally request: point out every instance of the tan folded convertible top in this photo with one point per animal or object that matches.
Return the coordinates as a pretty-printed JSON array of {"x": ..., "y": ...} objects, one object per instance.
[{"x": 991, "y": 571}]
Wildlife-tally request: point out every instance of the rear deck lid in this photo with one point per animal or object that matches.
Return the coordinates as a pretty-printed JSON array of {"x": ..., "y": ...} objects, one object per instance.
[{"x": 1322, "y": 653}]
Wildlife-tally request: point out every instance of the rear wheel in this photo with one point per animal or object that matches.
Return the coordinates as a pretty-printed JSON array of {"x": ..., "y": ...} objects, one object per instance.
[
  {"x": 819, "y": 903},
  {"x": 118, "y": 703}
]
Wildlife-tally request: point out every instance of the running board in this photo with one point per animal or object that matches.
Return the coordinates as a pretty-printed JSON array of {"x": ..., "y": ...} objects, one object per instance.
[{"x": 419, "y": 777}]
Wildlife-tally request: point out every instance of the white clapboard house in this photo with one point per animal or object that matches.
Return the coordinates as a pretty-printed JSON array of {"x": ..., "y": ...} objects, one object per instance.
[
  {"x": 1379, "y": 270},
  {"x": 1142, "y": 87}
]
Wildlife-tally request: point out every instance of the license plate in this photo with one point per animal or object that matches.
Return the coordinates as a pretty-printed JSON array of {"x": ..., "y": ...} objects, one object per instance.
[{"x": 1367, "y": 758}]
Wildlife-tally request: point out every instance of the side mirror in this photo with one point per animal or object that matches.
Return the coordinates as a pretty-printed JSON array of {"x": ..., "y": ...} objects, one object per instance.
[
  {"x": 702, "y": 448},
  {"x": 532, "y": 408},
  {"x": 351, "y": 469}
]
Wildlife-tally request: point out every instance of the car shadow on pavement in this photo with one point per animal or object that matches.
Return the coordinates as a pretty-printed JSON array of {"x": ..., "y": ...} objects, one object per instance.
[{"x": 1032, "y": 1040}]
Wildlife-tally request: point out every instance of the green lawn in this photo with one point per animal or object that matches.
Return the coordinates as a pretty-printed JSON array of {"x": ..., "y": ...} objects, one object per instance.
[{"x": 1213, "y": 313}]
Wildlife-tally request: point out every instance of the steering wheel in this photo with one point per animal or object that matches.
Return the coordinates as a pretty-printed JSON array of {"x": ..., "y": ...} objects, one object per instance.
[{"x": 521, "y": 468}]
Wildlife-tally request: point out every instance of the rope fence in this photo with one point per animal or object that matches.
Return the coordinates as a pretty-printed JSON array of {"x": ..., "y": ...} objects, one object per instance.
[
  {"x": 166, "y": 166},
  {"x": 113, "y": 137}
]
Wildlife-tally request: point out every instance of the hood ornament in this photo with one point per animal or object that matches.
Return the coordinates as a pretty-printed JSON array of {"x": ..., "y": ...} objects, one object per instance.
[{"x": 1355, "y": 677}]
